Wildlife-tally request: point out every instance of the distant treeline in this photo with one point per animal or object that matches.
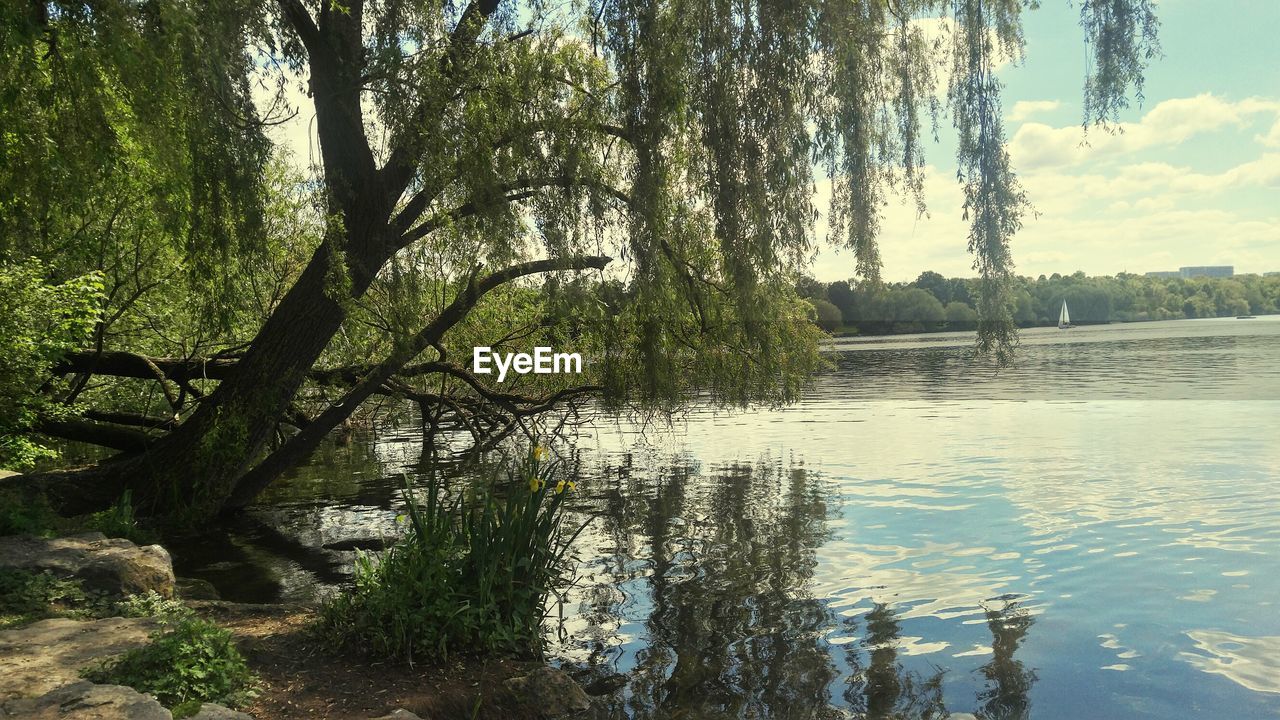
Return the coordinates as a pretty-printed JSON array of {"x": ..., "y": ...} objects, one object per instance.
[{"x": 934, "y": 302}]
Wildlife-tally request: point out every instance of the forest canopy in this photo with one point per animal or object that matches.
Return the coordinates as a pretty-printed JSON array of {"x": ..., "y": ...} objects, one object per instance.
[{"x": 632, "y": 178}]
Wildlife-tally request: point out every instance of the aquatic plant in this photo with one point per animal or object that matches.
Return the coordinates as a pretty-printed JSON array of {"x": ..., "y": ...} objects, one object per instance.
[{"x": 472, "y": 574}]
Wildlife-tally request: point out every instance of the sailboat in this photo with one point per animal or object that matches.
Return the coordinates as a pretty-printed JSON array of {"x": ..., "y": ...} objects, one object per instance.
[{"x": 1064, "y": 318}]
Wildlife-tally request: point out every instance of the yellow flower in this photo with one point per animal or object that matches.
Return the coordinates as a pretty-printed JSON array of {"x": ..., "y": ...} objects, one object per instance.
[
  {"x": 539, "y": 452},
  {"x": 536, "y": 483},
  {"x": 565, "y": 485}
]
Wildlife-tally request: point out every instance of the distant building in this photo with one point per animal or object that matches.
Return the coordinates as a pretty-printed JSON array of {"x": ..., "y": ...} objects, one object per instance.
[
  {"x": 1207, "y": 271},
  {"x": 1164, "y": 274}
]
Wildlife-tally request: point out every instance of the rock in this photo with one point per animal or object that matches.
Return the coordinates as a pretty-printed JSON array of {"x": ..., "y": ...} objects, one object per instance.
[
  {"x": 212, "y": 711},
  {"x": 195, "y": 589},
  {"x": 359, "y": 544},
  {"x": 606, "y": 685},
  {"x": 42, "y": 656},
  {"x": 551, "y": 691},
  {"x": 399, "y": 714},
  {"x": 110, "y": 565},
  {"x": 84, "y": 700}
]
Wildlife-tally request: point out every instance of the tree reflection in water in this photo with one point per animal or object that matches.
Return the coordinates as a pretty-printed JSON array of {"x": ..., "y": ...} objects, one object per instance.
[
  {"x": 719, "y": 567},
  {"x": 882, "y": 689},
  {"x": 1008, "y": 682}
]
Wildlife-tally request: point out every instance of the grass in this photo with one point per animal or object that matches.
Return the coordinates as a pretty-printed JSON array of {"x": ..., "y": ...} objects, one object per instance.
[
  {"x": 26, "y": 514},
  {"x": 472, "y": 574},
  {"x": 120, "y": 521}
]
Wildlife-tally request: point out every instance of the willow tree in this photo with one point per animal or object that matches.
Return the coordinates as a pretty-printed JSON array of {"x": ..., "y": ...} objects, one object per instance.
[{"x": 676, "y": 142}]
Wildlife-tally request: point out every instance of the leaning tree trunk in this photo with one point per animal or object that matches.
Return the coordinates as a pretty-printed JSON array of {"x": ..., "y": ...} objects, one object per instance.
[{"x": 195, "y": 466}]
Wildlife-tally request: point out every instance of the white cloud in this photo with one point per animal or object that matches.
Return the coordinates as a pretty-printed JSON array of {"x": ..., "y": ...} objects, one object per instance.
[
  {"x": 1135, "y": 217},
  {"x": 1272, "y": 138},
  {"x": 1024, "y": 109},
  {"x": 1170, "y": 123}
]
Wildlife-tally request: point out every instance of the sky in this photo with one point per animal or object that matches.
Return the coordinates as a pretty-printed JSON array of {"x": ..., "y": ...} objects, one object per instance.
[{"x": 1193, "y": 180}]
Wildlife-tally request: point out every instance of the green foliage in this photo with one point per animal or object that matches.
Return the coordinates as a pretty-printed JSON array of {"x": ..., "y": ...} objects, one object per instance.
[
  {"x": 1122, "y": 298},
  {"x": 40, "y": 321},
  {"x": 472, "y": 575},
  {"x": 26, "y": 514},
  {"x": 828, "y": 315},
  {"x": 120, "y": 521},
  {"x": 959, "y": 313},
  {"x": 152, "y": 604},
  {"x": 27, "y": 596},
  {"x": 189, "y": 661}
]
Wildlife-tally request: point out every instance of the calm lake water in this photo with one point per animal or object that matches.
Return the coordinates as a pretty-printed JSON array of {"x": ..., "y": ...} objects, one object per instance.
[{"x": 1093, "y": 533}]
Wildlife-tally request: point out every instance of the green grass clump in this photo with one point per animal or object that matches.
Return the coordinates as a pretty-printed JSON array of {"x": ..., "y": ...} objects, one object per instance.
[
  {"x": 472, "y": 574},
  {"x": 31, "y": 514},
  {"x": 190, "y": 661}
]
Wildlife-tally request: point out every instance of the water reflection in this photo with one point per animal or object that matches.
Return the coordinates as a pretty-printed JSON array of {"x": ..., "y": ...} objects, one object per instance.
[
  {"x": 1006, "y": 694},
  {"x": 730, "y": 629},
  {"x": 703, "y": 595},
  {"x": 884, "y": 689}
]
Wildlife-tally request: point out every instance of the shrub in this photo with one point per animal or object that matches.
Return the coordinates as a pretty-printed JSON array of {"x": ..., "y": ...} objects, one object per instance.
[
  {"x": 40, "y": 321},
  {"x": 472, "y": 574},
  {"x": 151, "y": 604},
  {"x": 189, "y": 662}
]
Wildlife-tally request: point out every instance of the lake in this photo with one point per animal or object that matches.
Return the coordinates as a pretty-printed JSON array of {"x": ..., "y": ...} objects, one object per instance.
[{"x": 1093, "y": 532}]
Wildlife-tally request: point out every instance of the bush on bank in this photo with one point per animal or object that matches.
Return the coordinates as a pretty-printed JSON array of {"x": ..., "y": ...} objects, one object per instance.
[{"x": 472, "y": 574}]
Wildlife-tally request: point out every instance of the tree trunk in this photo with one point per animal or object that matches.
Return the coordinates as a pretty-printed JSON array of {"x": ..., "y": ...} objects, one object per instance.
[{"x": 194, "y": 468}]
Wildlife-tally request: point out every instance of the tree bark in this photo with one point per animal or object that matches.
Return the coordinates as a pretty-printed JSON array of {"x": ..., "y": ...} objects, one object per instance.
[{"x": 86, "y": 431}]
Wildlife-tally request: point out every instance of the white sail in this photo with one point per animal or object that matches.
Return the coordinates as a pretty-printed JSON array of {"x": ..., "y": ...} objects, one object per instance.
[{"x": 1064, "y": 317}]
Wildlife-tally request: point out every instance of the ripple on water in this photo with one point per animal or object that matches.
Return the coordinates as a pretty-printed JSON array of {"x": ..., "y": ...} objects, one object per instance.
[{"x": 1253, "y": 662}]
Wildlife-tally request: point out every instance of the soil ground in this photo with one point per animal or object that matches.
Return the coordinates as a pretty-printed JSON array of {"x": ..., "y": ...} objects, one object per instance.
[{"x": 300, "y": 680}]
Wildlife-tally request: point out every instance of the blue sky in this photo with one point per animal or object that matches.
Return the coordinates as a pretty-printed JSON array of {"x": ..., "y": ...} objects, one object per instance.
[{"x": 1193, "y": 180}]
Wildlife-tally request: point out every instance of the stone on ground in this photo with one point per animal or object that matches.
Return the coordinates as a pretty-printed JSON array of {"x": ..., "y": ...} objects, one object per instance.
[
  {"x": 213, "y": 711},
  {"x": 110, "y": 565},
  {"x": 550, "y": 690},
  {"x": 84, "y": 700},
  {"x": 42, "y": 656}
]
